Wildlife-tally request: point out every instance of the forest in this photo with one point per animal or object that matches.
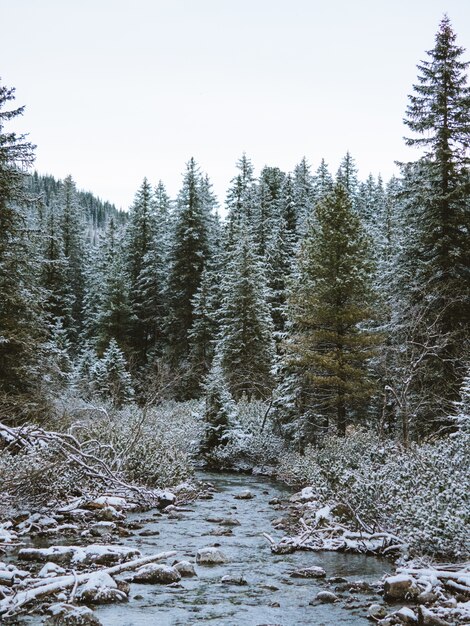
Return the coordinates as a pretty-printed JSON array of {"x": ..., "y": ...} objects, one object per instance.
[{"x": 312, "y": 327}]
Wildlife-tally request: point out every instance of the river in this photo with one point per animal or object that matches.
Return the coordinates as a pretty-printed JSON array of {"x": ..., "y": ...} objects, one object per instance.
[{"x": 271, "y": 596}]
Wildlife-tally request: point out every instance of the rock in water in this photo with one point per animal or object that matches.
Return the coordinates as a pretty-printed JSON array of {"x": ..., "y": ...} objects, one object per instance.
[
  {"x": 246, "y": 494},
  {"x": 185, "y": 568},
  {"x": 156, "y": 574},
  {"x": 100, "y": 588},
  {"x": 309, "y": 572},
  {"x": 210, "y": 556},
  {"x": 326, "y": 597},
  {"x": 233, "y": 580},
  {"x": 69, "y": 615}
]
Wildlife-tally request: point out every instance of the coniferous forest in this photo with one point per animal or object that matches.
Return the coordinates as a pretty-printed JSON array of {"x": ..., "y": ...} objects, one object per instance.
[{"x": 310, "y": 326}]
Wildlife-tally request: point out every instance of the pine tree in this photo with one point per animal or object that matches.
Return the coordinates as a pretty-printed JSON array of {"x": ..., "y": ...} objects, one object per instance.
[
  {"x": 322, "y": 182},
  {"x": 303, "y": 195},
  {"x": 436, "y": 258},
  {"x": 245, "y": 345},
  {"x": 204, "y": 330},
  {"x": 188, "y": 256},
  {"x": 330, "y": 303},
  {"x": 75, "y": 253},
  {"x": 21, "y": 321},
  {"x": 140, "y": 245},
  {"x": 108, "y": 294},
  {"x": 271, "y": 181},
  {"x": 55, "y": 268},
  {"x": 219, "y": 410},
  {"x": 241, "y": 200},
  {"x": 110, "y": 377}
]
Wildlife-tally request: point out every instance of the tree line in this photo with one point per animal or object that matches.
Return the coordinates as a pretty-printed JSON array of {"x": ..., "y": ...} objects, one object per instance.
[{"x": 341, "y": 302}]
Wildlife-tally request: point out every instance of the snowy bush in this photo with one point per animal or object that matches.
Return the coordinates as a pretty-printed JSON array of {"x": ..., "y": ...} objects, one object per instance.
[
  {"x": 37, "y": 476},
  {"x": 152, "y": 446},
  {"x": 246, "y": 445},
  {"x": 421, "y": 493}
]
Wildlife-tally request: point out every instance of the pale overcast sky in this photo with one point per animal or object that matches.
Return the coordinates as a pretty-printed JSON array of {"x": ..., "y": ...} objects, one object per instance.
[{"x": 116, "y": 90}]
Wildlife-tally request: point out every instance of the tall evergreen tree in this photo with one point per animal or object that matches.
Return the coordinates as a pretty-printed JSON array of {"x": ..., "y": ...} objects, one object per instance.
[
  {"x": 108, "y": 303},
  {"x": 241, "y": 200},
  {"x": 74, "y": 248},
  {"x": 303, "y": 195},
  {"x": 245, "y": 345},
  {"x": 21, "y": 319},
  {"x": 140, "y": 240},
  {"x": 437, "y": 192},
  {"x": 271, "y": 181},
  {"x": 329, "y": 347},
  {"x": 188, "y": 256}
]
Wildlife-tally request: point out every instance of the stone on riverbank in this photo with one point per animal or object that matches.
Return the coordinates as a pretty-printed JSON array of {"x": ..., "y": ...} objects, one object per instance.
[
  {"x": 69, "y": 615},
  {"x": 400, "y": 587},
  {"x": 100, "y": 588}
]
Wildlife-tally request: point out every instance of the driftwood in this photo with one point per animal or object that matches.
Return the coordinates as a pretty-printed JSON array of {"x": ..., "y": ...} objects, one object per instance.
[{"x": 12, "y": 605}]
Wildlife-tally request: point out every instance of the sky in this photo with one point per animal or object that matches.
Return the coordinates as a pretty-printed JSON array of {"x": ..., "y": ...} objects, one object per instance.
[{"x": 119, "y": 90}]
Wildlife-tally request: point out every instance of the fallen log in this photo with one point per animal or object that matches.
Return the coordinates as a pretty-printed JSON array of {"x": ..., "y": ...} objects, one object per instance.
[{"x": 11, "y": 606}]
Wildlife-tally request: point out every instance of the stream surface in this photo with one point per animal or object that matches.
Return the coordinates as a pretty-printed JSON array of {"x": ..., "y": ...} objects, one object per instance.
[{"x": 205, "y": 599}]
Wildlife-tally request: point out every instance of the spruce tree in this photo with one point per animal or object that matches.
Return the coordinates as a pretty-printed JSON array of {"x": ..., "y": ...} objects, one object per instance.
[
  {"x": 271, "y": 181},
  {"x": 330, "y": 347},
  {"x": 188, "y": 256},
  {"x": 434, "y": 266},
  {"x": 110, "y": 378},
  {"x": 303, "y": 195},
  {"x": 140, "y": 247},
  {"x": 21, "y": 320},
  {"x": 241, "y": 200},
  {"x": 245, "y": 344},
  {"x": 219, "y": 410},
  {"x": 75, "y": 252},
  {"x": 108, "y": 294}
]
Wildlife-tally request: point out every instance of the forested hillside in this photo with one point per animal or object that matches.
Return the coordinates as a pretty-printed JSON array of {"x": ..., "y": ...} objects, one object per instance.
[{"x": 310, "y": 322}]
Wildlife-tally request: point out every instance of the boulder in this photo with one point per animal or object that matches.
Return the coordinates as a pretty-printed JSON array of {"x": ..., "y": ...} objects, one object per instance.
[
  {"x": 376, "y": 611},
  {"x": 246, "y": 494},
  {"x": 400, "y": 587},
  {"x": 55, "y": 554},
  {"x": 233, "y": 580},
  {"x": 309, "y": 572},
  {"x": 210, "y": 556},
  {"x": 149, "y": 533},
  {"x": 406, "y": 616},
  {"x": 51, "y": 569},
  {"x": 229, "y": 521},
  {"x": 326, "y": 597},
  {"x": 68, "y": 615},
  {"x": 185, "y": 568},
  {"x": 156, "y": 574},
  {"x": 428, "y": 618},
  {"x": 100, "y": 588}
]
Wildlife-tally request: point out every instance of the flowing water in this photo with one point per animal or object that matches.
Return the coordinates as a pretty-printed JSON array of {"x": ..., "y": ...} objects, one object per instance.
[{"x": 205, "y": 599}]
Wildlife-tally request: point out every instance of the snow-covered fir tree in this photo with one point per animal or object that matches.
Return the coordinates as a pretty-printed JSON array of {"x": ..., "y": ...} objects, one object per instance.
[
  {"x": 329, "y": 347},
  {"x": 245, "y": 344},
  {"x": 110, "y": 377}
]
